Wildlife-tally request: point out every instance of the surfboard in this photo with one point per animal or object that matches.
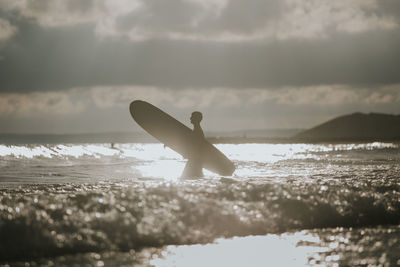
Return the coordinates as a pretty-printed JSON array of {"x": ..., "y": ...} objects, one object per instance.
[{"x": 178, "y": 136}]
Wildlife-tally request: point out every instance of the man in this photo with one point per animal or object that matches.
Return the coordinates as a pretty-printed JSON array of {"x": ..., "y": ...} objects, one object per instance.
[{"x": 194, "y": 166}]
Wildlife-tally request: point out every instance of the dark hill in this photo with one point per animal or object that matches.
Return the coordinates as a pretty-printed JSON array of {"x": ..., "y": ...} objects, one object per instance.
[{"x": 356, "y": 126}]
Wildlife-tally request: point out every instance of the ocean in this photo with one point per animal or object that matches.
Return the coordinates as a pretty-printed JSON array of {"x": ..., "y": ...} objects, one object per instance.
[{"x": 126, "y": 205}]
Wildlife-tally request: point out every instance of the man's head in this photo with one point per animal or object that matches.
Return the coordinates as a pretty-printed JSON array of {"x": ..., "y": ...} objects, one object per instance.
[{"x": 196, "y": 117}]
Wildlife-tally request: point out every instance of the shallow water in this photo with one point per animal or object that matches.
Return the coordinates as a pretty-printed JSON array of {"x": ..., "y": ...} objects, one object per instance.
[{"x": 293, "y": 204}]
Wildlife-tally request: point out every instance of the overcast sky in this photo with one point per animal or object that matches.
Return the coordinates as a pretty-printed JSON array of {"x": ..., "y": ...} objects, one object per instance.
[{"x": 74, "y": 66}]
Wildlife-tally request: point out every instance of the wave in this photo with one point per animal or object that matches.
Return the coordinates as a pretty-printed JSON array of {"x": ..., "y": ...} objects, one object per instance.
[
  {"x": 81, "y": 151},
  {"x": 116, "y": 204},
  {"x": 257, "y": 153},
  {"x": 48, "y": 220}
]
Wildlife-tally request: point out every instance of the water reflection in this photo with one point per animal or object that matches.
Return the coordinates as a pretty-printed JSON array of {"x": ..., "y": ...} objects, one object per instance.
[
  {"x": 264, "y": 162},
  {"x": 271, "y": 250},
  {"x": 327, "y": 247},
  {"x": 169, "y": 170}
]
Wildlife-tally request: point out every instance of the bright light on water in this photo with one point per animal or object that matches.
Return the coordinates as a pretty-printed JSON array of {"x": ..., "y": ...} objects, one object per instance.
[
  {"x": 242, "y": 152},
  {"x": 269, "y": 250},
  {"x": 168, "y": 169},
  {"x": 261, "y": 161},
  {"x": 148, "y": 152}
]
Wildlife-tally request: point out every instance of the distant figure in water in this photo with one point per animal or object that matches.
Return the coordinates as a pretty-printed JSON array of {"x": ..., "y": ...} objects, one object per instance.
[{"x": 194, "y": 166}]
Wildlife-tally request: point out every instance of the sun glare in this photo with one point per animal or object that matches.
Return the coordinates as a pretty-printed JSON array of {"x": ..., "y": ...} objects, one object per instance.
[{"x": 297, "y": 249}]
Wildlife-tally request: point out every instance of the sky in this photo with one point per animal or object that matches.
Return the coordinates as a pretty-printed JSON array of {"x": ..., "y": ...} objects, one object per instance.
[{"x": 72, "y": 66}]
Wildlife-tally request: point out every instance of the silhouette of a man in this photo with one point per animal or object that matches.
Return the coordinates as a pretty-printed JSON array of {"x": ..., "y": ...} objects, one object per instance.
[{"x": 194, "y": 166}]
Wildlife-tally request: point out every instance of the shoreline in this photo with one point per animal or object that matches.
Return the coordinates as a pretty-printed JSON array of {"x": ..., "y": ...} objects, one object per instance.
[{"x": 19, "y": 139}]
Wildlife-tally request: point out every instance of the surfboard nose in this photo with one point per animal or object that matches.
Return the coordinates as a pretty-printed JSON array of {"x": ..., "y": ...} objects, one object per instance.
[{"x": 134, "y": 106}]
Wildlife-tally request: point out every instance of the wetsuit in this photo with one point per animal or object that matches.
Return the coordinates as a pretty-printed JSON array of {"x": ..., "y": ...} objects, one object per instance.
[{"x": 194, "y": 166}]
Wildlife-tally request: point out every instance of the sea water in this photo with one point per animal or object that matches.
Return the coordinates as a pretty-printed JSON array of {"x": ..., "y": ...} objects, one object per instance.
[{"x": 285, "y": 205}]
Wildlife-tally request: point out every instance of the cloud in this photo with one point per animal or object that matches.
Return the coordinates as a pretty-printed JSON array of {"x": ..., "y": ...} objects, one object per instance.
[
  {"x": 316, "y": 18},
  {"x": 105, "y": 97},
  {"x": 6, "y": 30},
  {"x": 38, "y": 104},
  {"x": 120, "y": 96},
  {"x": 238, "y": 21},
  {"x": 63, "y": 44},
  {"x": 223, "y": 98},
  {"x": 211, "y": 20},
  {"x": 97, "y": 109},
  {"x": 53, "y": 13},
  {"x": 332, "y": 95},
  {"x": 386, "y": 95},
  {"x": 79, "y": 100},
  {"x": 62, "y": 58}
]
